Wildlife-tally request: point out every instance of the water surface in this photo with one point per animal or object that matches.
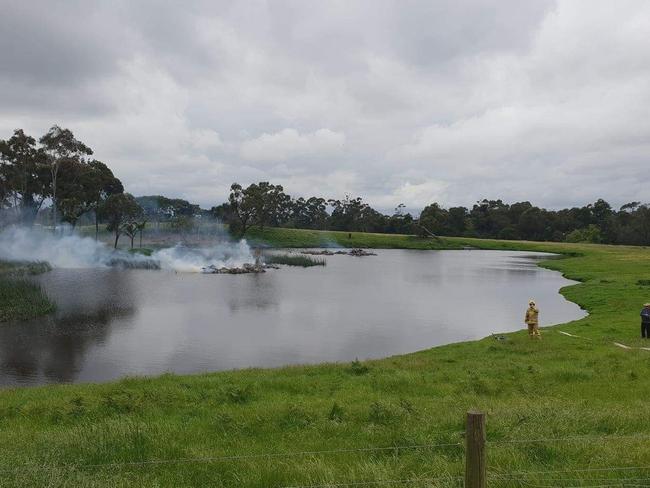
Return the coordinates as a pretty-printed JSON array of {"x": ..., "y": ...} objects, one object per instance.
[{"x": 111, "y": 323}]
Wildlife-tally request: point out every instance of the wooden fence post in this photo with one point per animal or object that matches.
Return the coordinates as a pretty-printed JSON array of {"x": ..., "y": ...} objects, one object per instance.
[{"x": 475, "y": 465}]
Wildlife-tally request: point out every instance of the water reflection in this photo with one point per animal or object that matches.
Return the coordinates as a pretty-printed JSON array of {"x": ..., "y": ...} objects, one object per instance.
[{"x": 111, "y": 323}]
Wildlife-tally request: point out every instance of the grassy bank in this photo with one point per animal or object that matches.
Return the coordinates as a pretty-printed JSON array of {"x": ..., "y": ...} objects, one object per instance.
[
  {"x": 279, "y": 237},
  {"x": 583, "y": 390},
  {"x": 21, "y": 299}
]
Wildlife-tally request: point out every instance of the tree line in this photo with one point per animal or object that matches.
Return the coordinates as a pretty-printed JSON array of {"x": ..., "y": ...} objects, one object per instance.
[
  {"x": 264, "y": 204},
  {"x": 58, "y": 170}
]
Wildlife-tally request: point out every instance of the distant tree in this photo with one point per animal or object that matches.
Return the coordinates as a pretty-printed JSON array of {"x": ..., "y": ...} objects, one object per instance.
[
  {"x": 131, "y": 230},
  {"x": 140, "y": 226},
  {"x": 353, "y": 214},
  {"x": 400, "y": 222},
  {"x": 118, "y": 210},
  {"x": 158, "y": 208},
  {"x": 182, "y": 224},
  {"x": 591, "y": 233},
  {"x": 433, "y": 220},
  {"x": 101, "y": 185},
  {"x": 269, "y": 202},
  {"x": 222, "y": 213},
  {"x": 60, "y": 146},
  {"x": 259, "y": 204},
  {"x": 532, "y": 224},
  {"x": 242, "y": 210},
  {"x": 310, "y": 213},
  {"x": 457, "y": 221},
  {"x": 24, "y": 176},
  {"x": 640, "y": 225}
]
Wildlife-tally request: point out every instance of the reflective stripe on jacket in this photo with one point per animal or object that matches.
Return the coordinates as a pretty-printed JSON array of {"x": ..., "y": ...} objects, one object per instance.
[{"x": 532, "y": 315}]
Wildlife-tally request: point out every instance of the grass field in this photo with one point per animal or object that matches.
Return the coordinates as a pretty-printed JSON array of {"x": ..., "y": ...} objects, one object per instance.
[
  {"x": 280, "y": 237},
  {"x": 174, "y": 430}
]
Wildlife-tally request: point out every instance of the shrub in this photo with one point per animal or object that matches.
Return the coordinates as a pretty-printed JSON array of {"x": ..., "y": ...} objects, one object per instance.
[
  {"x": 289, "y": 260},
  {"x": 358, "y": 368}
]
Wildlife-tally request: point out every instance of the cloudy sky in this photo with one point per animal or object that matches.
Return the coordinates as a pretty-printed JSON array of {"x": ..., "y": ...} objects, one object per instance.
[{"x": 396, "y": 101}]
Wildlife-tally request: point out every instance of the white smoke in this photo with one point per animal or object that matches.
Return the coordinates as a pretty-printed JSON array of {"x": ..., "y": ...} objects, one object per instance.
[
  {"x": 64, "y": 250},
  {"x": 224, "y": 254},
  {"x": 69, "y": 250}
]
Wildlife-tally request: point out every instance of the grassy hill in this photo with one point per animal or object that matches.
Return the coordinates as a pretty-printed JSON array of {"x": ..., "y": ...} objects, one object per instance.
[{"x": 566, "y": 406}]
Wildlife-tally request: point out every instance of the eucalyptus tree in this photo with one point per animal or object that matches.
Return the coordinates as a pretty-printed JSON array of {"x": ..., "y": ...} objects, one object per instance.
[
  {"x": 259, "y": 204},
  {"x": 102, "y": 184},
  {"x": 23, "y": 175},
  {"x": 309, "y": 213},
  {"x": 60, "y": 146},
  {"x": 242, "y": 211}
]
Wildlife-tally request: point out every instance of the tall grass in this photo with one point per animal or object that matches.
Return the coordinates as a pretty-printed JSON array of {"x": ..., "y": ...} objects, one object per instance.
[
  {"x": 19, "y": 268},
  {"x": 21, "y": 299},
  {"x": 293, "y": 260}
]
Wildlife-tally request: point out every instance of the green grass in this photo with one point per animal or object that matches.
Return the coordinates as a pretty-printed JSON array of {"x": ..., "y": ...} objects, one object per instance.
[
  {"x": 294, "y": 260},
  {"x": 280, "y": 237},
  {"x": 554, "y": 388},
  {"x": 21, "y": 299}
]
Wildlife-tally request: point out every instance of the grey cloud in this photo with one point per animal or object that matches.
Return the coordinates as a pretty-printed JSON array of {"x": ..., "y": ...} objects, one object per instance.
[{"x": 398, "y": 101}]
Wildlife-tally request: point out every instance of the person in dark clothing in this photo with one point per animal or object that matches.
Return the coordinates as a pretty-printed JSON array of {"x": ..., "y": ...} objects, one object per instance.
[{"x": 645, "y": 321}]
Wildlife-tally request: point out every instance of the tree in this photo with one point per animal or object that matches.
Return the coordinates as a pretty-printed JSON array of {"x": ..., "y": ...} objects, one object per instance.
[
  {"x": 242, "y": 211},
  {"x": 532, "y": 224},
  {"x": 269, "y": 203},
  {"x": 433, "y": 220},
  {"x": 222, "y": 213},
  {"x": 641, "y": 225},
  {"x": 182, "y": 224},
  {"x": 61, "y": 146},
  {"x": 457, "y": 221},
  {"x": 74, "y": 191},
  {"x": 259, "y": 204},
  {"x": 118, "y": 210},
  {"x": 591, "y": 233},
  {"x": 353, "y": 214},
  {"x": 102, "y": 184},
  {"x": 131, "y": 230},
  {"x": 310, "y": 213},
  {"x": 140, "y": 227},
  {"x": 23, "y": 175}
]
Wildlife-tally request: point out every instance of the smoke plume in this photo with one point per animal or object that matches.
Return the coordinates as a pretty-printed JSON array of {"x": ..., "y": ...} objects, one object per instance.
[{"x": 69, "y": 250}]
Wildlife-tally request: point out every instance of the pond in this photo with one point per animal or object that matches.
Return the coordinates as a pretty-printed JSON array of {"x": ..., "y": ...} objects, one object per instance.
[{"x": 111, "y": 323}]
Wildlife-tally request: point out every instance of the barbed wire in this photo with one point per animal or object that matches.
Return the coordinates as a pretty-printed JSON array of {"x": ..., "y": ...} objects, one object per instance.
[
  {"x": 240, "y": 457},
  {"x": 518, "y": 474},
  {"x": 569, "y": 439}
]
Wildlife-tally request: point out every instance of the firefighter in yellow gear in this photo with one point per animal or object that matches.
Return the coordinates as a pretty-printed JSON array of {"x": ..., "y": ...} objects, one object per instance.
[{"x": 532, "y": 320}]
